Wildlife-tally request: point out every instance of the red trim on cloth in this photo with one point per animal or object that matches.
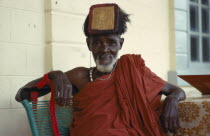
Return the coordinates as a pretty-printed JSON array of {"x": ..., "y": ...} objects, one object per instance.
[
  {"x": 39, "y": 85},
  {"x": 52, "y": 111},
  {"x": 43, "y": 82},
  {"x": 34, "y": 97}
]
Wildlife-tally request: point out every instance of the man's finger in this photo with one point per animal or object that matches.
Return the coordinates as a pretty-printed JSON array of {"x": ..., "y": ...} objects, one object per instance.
[
  {"x": 174, "y": 117},
  {"x": 164, "y": 122},
  {"x": 67, "y": 88},
  {"x": 69, "y": 96},
  {"x": 166, "y": 125},
  {"x": 57, "y": 98},
  {"x": 57, "y": 95},
  {"x": 171, "y": 128},
  {"x": 174, "y": 126},
  {"x": 65, "y": 96},
  {"x": 178, "y": 123},
  {"x": 165, "y": 116},
  {"x": 61, "y": 96},
  {"x": 56, "y": 90},
  {"x": 63, "y": 99}
]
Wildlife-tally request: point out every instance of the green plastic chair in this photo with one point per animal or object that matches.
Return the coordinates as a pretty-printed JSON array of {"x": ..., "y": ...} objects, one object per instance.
[{"x": 40, "y": 118}]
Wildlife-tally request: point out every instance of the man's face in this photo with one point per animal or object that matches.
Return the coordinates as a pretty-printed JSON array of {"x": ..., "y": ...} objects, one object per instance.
[{"x": 105, "y": 49}]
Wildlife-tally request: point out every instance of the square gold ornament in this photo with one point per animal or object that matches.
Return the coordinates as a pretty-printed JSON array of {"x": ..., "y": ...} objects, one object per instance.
[{"x": 103, "y": 19}]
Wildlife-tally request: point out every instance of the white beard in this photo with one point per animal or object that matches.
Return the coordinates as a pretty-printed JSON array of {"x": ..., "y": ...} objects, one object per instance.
[{"x": 106, "y": 68}]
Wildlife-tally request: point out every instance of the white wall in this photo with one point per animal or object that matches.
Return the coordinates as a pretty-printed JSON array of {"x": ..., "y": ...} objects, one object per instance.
[
  {"x": 22, "y": 58},
  {"x": 148, "y": 33}
]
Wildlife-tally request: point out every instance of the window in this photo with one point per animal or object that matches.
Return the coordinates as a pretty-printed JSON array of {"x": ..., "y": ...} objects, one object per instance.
[
  {"x": 199, "y": 34},
  {"x": 192, "y": 39}
]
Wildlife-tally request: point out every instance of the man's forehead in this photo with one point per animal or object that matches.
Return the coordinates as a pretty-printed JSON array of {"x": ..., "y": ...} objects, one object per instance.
[{"x": 107, "y": 36}]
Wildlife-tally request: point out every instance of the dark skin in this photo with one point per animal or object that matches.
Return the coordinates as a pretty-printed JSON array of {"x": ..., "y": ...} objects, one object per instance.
[{"x": 105, "y": 47}]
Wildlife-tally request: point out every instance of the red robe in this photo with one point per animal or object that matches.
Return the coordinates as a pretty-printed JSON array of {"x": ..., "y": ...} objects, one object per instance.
[{"x": 126, "y": 104}]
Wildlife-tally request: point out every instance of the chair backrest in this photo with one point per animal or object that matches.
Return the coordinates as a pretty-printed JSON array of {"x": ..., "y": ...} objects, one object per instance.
[{"x": 40, "y": 119}]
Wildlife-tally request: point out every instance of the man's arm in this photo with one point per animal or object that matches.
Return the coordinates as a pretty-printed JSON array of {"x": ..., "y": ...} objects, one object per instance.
[
  {"x": 63, "y": 88},
  {"x": 24, "y": 92},
  {"x": 170, "y": 116},
  {"x": 173, "y": 91}
]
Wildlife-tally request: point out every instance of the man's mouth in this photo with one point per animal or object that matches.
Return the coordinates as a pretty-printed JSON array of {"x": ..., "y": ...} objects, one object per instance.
[
  {"x": 104, "y": 59},
  {"x": 105, "y": 62},
  {"x": 104, "y": 56}
]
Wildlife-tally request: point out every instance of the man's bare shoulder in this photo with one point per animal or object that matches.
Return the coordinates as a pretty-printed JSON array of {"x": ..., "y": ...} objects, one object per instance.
[{"x": 78, "y": 75}]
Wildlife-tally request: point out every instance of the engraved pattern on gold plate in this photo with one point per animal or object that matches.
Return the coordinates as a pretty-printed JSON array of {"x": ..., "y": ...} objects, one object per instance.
[{"x": 103, "y": 18}]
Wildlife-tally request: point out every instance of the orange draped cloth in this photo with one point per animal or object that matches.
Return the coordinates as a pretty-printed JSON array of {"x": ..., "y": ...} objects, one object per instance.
[{"x": 126, "y": 104}]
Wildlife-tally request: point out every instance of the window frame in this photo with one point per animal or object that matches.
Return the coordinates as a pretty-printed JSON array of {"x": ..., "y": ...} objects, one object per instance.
[
  {"x": 182, "y": 54},
  {"x": 193, "y": 66}
]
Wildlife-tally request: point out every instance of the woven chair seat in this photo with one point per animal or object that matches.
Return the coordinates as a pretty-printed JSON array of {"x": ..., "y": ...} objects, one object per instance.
[{"x": 40, "y": 120}]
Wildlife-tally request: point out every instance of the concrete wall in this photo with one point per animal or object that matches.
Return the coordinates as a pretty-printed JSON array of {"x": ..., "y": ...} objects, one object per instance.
[{"x": 22, "y": 58}]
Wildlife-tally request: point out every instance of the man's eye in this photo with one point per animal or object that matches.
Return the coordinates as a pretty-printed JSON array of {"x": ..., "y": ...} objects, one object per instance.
[
  {"x": 97, "y": 43},
  {"x": 112, "y": 42}
]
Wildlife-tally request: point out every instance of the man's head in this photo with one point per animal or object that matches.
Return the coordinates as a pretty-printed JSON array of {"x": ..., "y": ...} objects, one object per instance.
[
  {"x": 105, "y": 50},
  {"x": 105, "y": 44}
]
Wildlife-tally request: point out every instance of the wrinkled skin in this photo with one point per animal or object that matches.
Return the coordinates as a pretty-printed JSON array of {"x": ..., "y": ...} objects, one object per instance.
[
  {"x": 105, "y": 47},
  {"x": 63, "y": 88},
  {"x": 170, "y": 116}
]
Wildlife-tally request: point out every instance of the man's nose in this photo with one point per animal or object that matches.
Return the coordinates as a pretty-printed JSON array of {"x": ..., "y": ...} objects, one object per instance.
[{"x": 105, "y": 47}]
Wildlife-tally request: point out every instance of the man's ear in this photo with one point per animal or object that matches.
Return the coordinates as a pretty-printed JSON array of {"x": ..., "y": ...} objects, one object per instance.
[
  {"x": 88, "y": 43},
  {"x": 121, "y": 42}
]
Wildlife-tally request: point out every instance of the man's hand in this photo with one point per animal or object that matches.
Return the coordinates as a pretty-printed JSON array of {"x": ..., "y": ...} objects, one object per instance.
[
  {"x": 170, "y": 117},
  {"x": 62, "y": 87}
]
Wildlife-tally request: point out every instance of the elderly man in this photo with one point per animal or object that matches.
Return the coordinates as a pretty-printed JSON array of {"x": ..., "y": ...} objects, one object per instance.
[{"x": 118, "y": 97}]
